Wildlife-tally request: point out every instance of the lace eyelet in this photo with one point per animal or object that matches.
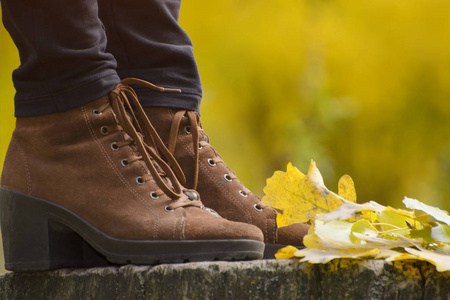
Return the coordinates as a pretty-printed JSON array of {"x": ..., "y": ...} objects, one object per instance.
[
  {"x": 104, "y": 130},
  {"x": 211, "y": 162},
  {"x": 187, "y": 129},
  {"x": 257, "y": 207},
  {"x": 167, "y": 209},
  {"x": 114, "y": 146},
  {"x": 139, "y": 180},
  {"x": 154, "y": 196},
  {"x": 228, "y": 178},
  {"x": 96, "y": 112},
  {"x": 124, "y": 162},
  {"x": 200, "y": 147},
  {"x": 191, "y": 195},
  {"x": 242, "y": 193}
]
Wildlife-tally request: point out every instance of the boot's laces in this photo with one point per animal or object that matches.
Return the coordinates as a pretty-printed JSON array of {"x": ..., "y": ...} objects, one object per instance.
[
  {"x": 200, "y": 140},
  {"x": 194, "y": 129},
  {"x": 197, "y": 132},
  {"x": 139, "y": 128}
]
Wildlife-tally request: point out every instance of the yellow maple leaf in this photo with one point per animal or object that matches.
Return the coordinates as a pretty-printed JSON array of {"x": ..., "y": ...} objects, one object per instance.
[
  {"x": 286, "y": 252},
  {"x": 342, "y": 228},
  {"x": 346, "y": 188},
  {"x": 299, "y": 197}
]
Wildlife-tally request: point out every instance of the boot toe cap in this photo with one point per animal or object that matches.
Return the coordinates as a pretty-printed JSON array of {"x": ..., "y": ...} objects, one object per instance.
[
  {"x": 292, "y": 234},
  {"x": 206, "y": 226}
]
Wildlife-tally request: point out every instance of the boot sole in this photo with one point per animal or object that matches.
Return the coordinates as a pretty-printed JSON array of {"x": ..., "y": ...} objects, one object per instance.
[{"x": 39, "y": 235}]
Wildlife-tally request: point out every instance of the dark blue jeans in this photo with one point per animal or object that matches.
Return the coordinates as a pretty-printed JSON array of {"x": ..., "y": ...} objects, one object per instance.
[{"x": 75, "y": 51}]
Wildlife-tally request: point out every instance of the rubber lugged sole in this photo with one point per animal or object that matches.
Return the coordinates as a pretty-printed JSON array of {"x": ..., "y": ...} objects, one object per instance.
[{"x": 40, "y": 235}]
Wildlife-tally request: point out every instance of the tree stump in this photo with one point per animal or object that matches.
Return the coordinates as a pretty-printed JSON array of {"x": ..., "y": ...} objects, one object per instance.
[{"x": 261, "y": 279}]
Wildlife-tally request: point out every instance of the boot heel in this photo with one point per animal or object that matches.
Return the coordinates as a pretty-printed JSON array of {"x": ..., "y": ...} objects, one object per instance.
[{"x": 32, "y": 241}]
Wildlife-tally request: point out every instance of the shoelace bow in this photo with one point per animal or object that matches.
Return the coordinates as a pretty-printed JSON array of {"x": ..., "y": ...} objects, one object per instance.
[{"x": 135, "y": 123}]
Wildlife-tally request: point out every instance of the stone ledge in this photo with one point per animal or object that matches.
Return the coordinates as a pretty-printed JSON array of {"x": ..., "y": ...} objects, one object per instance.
[{"x": 263, "y": 279}]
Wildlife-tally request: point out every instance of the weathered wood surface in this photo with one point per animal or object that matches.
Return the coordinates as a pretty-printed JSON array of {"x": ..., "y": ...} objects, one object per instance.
[{"x": 263, "y": 279}]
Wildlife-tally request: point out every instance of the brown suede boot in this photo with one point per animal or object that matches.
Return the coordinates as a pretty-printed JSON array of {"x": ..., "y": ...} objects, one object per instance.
[
  {"x": 84, "y": 179},
  {"x": 218, "y": 185}
]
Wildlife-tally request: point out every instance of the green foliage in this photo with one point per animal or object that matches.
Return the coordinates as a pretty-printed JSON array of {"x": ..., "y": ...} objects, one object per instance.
[{"x": 361, "y": 87}]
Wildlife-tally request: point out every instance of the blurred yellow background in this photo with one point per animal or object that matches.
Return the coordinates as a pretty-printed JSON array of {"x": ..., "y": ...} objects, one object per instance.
[{"x": 361, "y": 87}]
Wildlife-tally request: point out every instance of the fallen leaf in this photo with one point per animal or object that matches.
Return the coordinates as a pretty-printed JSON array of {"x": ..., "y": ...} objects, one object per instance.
[
  {"x": 382, "y": 242},
  {"x": 442, "y": 262},
  {"x": 299, "y": 197},
  {"x": 341, "y": 228},
  {"x": 441, "y": 233},
  {"x": 348, "y": 209},
  {"x": 397, "y": 221},
  {"x": 391, "y": 255},
  {"x": 437, "y": 213},
  {"x": 286, "y": 252},
  {"x": 346, "y": 188},
  {"x": 319, "y": 256},
  {"x": 424, "y": 234},
  {"x": 362, "y": 227},
  {"x": 313, "y": 241},
  {"x": 443, "y": 249},
  {"x": 424, "y": 219},
  {"x": 335, "y": 233}
]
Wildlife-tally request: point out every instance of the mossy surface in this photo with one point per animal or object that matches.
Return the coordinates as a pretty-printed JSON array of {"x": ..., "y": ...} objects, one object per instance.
[{"x": 264, "y": 279}]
